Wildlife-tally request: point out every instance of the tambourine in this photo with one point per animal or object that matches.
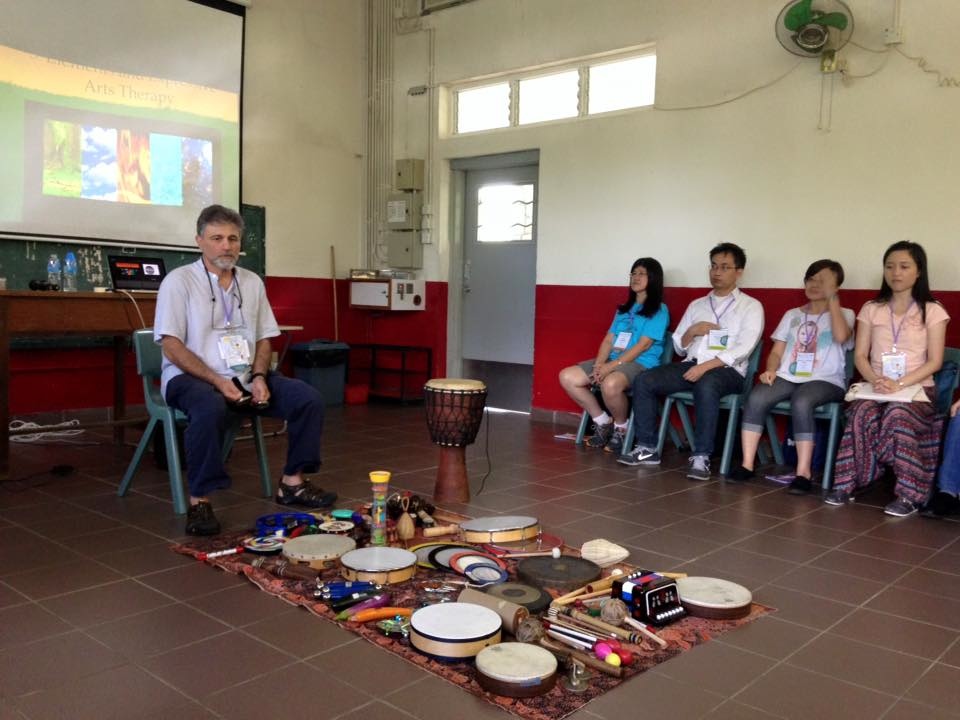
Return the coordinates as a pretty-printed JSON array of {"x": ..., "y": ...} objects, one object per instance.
[
  {"x": 500, "y": 529},
  {"x": 336, "y": 527},
  {"x": 318, "y": 551},
  {"x": 382, "y": 565},
  {"x": 264, "y": 544},
  {"x": 283, "y": 522}
]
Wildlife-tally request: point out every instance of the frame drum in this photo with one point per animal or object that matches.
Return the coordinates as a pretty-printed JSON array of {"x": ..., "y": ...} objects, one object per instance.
[
  {"x": 381, "y": 565},
  {"x": 318, "y": 551},
  {"x": 714, "y": 598},
  {"x": 500, "y": 529},
  {"x": 454, "y": 630},
  {"x": 516, "y": 669}
]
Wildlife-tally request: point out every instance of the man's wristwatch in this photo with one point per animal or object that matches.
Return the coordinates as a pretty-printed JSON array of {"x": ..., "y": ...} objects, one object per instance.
[{"x": 254, "y": 376}]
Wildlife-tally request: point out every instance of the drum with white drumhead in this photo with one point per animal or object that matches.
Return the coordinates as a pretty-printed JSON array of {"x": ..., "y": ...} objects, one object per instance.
[
  {"x": 318, "y": 551},
  {"x": 516, "y": 669},
  {"x": 454, "y": 631},
  {"x": 381, "y": 565},
  {"x": 454, "y": 412}
]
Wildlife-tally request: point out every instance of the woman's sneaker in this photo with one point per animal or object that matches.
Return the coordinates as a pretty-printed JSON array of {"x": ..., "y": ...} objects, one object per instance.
[
  {"x": 615, "y": 443},
  {"x": 838, "y": 498},
  {"x": 601, "y": 435},
  {"x": 901, "y": 508}
]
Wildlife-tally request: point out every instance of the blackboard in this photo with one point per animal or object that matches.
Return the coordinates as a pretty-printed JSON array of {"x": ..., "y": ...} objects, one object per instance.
[{"x": 24, "y": 260}]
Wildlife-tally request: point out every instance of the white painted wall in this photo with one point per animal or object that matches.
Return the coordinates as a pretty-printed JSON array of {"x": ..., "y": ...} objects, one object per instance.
[
  {"x": 303, "y": 136},
  {"x": 756, "y": 171}
]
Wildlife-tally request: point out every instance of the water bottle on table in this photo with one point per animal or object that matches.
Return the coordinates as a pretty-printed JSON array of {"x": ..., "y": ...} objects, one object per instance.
[
  {"x": 53, "y": 271},
  {"x": 70, "y": 272}
]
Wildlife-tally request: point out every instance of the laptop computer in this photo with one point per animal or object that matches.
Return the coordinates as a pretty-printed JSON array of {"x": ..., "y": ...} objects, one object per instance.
[{"x": 136, "y": 274}]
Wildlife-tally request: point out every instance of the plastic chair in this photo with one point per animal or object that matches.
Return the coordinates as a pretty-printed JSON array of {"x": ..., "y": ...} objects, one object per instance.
[
  {"x": 732, "y": 402},
  {"x": 149, "y": 361},
  {"x": 946, "y": 379},
  {"x": 833, "y": 412},
  {"x": 665, "y": 358}
]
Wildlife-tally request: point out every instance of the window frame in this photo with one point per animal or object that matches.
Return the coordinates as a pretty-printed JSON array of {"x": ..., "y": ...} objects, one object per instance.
[{"x": 513, "y": 79}]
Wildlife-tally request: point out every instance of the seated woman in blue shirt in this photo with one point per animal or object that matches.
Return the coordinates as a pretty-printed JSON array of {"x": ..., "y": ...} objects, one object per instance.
[{"x": 633, "y": 343}]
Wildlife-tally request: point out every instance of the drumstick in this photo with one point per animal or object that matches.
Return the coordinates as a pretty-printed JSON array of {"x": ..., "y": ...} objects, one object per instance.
[
  {"x": 585, "y": 658},
  {"x": 440, "y": 530},
  {"x": 220, "y": 553},
  {"x": 672, "y": 576},
  {"x": 586, "y": 596},
  {"x": 646, "y": 631},
  {"x": 603, "y": 584},
  {"x": 500, "y": 553}
]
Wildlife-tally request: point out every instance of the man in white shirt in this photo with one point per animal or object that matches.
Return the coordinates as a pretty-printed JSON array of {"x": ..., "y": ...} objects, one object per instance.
[
  {"x": 214, "y": 324},
  {"x": 716, "y": 334}
]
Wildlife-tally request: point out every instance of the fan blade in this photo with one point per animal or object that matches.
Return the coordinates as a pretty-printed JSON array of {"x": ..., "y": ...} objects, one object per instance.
[
  {"x": 835, "y": 19},
  {"x": 798, "y": 15}
]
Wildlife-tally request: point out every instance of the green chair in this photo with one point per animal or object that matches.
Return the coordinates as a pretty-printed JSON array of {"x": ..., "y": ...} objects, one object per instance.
[
  {"x": 665, "y": 358},
  {"x": 832, "y": 412},
  {"x": 149, "y": 361},
  {"x": 733, "y": 402}
]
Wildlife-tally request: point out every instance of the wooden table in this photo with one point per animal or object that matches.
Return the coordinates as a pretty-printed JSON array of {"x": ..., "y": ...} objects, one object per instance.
[{"x": 55, "y": 314}]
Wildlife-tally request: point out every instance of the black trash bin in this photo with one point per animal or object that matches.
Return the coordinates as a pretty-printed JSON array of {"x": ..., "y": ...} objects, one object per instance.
[{"x": 323, "y": 364}]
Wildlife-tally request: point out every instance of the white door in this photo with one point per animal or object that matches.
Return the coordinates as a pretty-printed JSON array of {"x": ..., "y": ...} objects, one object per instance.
[{"x": 500, "y": 264}]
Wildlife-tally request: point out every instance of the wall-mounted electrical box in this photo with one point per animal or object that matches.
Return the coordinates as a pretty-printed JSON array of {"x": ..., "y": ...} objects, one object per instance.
[
  {"x": 404, "y": 249},
  {"x": 409, "y": 175},
  {"x": 404, "y": 211},
  {"x": 388, "y": 294}
]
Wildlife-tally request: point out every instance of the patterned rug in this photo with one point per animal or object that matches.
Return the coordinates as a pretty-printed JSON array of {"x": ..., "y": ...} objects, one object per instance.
[{"x": 680, "y": 636}]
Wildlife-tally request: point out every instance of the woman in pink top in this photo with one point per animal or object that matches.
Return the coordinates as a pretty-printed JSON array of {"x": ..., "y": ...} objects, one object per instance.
[{"x": 900, "y": 341}]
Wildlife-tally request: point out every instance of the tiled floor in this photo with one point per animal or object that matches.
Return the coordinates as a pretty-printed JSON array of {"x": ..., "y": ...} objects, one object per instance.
[{"x": 99, "y": 619}]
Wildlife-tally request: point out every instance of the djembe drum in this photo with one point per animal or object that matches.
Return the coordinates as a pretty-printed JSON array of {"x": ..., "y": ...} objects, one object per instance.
[{"x": 454, "y": 413}]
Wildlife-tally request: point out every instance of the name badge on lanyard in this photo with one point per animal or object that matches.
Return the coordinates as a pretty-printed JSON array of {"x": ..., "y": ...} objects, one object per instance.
[
  {"x": 718, "y": 339},
  {"x": 623, "y": 339},
  {"x": 803, "y": 367},
  {"x": 235, "y": 351},
  {"x": 893, "y": 365}
]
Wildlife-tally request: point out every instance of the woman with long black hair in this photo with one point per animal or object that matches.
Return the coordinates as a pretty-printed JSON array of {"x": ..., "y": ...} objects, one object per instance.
[
  {"x": 899, "y": 343},
  {"x": 633, "y": 343}
]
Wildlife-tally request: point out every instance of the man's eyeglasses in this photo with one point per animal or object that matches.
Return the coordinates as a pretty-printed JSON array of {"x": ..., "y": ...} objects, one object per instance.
[{"x": 722, "y": 268}]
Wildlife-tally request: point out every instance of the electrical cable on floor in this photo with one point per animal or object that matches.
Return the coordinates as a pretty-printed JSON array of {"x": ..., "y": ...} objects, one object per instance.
[
  {"x": 486, "y": 451},
  {"x": 60, "y": 431},
  {"x": 20, "y": 484}
]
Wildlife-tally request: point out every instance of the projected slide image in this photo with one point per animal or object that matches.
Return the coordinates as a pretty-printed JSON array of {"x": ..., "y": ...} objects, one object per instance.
[
  {"x": 133, "y": 167},
  {"x": 99, "y": 163},
  {"x": 61, "y": 159},
  {"x": 121, "y": 165}
]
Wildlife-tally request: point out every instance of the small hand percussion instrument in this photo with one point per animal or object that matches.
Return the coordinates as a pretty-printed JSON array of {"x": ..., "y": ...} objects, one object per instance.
[
  {"x": 454, "y": 412},
  {"x": 382, "y": 565},
  {"x": 500, "y": 529},
  {"x": 454, "y": 631},
  {"x": 336, "y": 527},
  {"x": 714, "y": 598},
  {"x": 264, "y": 544},
  {"x": 516, "y": 669},
  {"x": 318, "y": 551},
  {"x": 460, "y": 561}
]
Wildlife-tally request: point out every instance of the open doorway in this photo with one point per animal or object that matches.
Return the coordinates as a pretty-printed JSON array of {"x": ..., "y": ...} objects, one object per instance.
[{"x": 497, "y": 269}]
